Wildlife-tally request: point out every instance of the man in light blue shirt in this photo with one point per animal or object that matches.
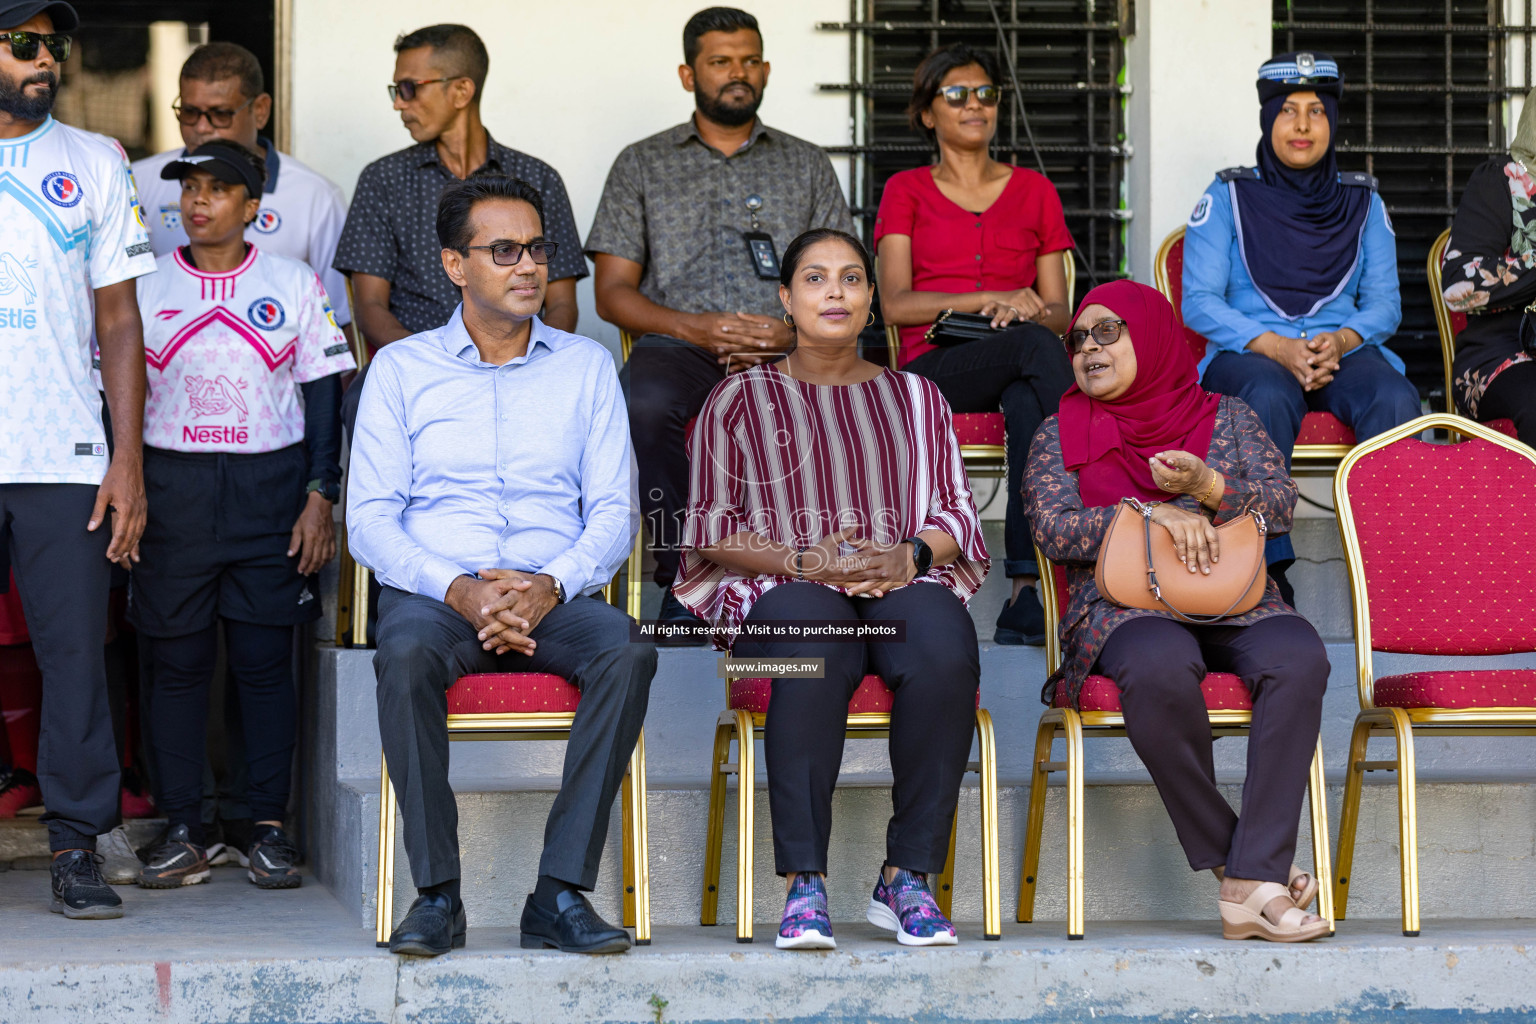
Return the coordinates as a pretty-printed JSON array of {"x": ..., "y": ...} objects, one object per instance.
[
  {"x": 491, "y": 492},
  {"x": 1290, "y": 273}
]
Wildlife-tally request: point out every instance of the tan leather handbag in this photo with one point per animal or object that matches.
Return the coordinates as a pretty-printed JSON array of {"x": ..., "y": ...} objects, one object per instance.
[{"x": 1138, "y": 567}]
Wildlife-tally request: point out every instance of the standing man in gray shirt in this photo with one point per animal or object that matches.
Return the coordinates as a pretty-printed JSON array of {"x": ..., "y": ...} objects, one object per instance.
[{"x": 686, "y": 243}]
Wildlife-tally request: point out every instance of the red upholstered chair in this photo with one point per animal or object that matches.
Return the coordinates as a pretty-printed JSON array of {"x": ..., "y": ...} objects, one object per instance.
[
  {"x": 983, "y": 445},
  {"x": 1323, "y": 439},
  {"x": 1231, "y": 712},
  {"x": 1450, "y": 324},
  {"x": 525, "y": 706},
  {"x": 1437, "y": 538},
  {"x": 869, "y": 717}
]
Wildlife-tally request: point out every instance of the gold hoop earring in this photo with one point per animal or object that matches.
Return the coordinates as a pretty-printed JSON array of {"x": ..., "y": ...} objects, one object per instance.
[
  {"x": 789, "y": 321},
  {"x": 871, "y": 319}
]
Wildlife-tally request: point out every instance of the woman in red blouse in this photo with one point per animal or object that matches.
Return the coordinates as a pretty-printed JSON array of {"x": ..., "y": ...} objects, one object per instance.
[
  {"x": 978, "y": 236},
  {"x": 827, "y": 491}
]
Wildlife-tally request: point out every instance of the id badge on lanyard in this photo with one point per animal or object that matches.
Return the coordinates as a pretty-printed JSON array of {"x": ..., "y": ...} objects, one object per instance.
[{"x": 765, "y": 260}]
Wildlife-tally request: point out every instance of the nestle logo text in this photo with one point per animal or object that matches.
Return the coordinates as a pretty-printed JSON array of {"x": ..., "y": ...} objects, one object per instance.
[{"x": 215, "y": 435}]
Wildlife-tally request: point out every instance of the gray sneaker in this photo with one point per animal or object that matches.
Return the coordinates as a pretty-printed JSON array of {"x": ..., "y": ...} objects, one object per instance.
[{"x": 120, "y": 865}]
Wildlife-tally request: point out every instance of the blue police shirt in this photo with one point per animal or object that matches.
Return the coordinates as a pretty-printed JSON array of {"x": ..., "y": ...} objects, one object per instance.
[{"x": 1221, "y": 302}]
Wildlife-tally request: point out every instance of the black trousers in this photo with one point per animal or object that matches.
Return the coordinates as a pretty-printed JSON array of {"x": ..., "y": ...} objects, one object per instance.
[
  {"x": 665, "y": 383},
  {"x": 1512, "y": 395},
  {"x": 935, "y": 673},
  {"x": 63, "y": 575},
  {"x": 1025, "y": 371},
  {"x": 425, "y": 646},
  {"x": 1158, "y": 664},
  {"x": 261, "y": 667}
]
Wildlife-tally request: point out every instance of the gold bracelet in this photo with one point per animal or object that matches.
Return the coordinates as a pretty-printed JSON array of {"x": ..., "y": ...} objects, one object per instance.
[{"x": 1211, "y": 489}]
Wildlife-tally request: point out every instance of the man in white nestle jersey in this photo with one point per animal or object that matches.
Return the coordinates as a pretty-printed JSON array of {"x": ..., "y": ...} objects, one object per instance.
[
  {"x": 71, "y": 243},
  {"x": 223, "y": 96}
]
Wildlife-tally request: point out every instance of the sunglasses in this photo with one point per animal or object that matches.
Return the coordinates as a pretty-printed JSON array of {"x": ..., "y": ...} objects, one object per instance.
[
  {"x": 956, "y": 95},
  {"x": 219, "y": 117},
  {"x": 406, "y": 88},
  {"x": 509, "y": 254},
  {"x": 1105, "y": 332},
  {"x": 24, "y": 44}
]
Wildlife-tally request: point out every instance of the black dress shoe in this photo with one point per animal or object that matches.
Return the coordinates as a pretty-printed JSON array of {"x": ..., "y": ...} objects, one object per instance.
[
  {"x": 577, "y": 928},
  {"x": 1022, "y": 621},
  {"x": 432, "y": 927}
]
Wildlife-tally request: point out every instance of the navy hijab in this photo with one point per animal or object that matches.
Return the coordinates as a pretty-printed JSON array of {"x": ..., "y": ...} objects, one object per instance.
[{"x": 1298, "y": 231}]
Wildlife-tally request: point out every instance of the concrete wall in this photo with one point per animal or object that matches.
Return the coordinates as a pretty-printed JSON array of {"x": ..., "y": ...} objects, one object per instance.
[
  {"x": 570, "y": 83},
  {"x": 1193, "y": 108}
]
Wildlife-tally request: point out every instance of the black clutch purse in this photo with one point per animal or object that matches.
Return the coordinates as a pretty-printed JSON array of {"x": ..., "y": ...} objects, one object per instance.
[
  {"x": 1527, "y": 330},
  {"x": 953, "y": 328}
]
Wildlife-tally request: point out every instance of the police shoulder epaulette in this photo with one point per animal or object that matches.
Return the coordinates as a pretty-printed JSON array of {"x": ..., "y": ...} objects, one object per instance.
[
  {"x": 1233, "y": 173},
  {"x": 1359, "y": 178}
]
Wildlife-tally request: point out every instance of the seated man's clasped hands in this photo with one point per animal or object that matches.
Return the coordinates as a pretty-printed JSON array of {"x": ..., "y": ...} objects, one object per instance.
[
  {"x": 1137, "y": 424},
  {"x": 827, "y": 490},
  {"x": 491, "y": 493}
]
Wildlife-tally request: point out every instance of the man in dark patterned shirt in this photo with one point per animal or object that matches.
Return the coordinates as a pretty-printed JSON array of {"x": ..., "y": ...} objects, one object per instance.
[
  {"x": 686, "y": 242},
  {"x": 389, "y": 246}
]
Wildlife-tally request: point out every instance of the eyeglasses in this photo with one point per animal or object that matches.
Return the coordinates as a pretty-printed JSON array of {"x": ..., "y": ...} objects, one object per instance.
[
  {"x": 24, "y": 44},
  {"x": 406, "y": 88},
  {"x": 219, "y": 117},
  {"x": 509, "y": 254},
  {"x": 956, "y": 95},
  {"x": 1105, "y": 332}
]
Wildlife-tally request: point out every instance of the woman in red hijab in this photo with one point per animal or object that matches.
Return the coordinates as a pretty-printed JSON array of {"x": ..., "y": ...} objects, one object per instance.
[{"x": 1137, "y": 424}]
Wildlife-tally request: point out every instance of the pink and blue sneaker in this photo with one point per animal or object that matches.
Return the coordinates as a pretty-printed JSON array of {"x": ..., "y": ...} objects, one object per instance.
[
  {"x": 806, "y": 924},
  {"x": 907, "y": 907}
]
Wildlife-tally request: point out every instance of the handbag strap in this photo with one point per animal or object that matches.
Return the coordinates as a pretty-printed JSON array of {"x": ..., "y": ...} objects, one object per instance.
[{"x": 1157, "y": 592}]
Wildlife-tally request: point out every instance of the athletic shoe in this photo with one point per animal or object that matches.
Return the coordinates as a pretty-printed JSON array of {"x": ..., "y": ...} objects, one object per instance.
[
  {"x": 235, "y": 837},
  {"x": 805, "y": 924},
  {"x": 18, "y": 790},
  {"x": 906, "y": 907},
  {"x": 79, "y": 891},
  {"x": 119, "y": 864},
  {"x": 273, "y": 860},
  {"x": 1022, "y": 621},
  {"x": 217, "y": 849},
  {"x": 177, "y": 862}
]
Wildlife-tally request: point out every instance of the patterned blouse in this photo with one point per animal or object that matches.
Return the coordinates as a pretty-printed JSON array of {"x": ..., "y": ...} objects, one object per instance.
[
  {"x": 795, "y": 462},
  {"x": 1069, "y": 534},
  {"x": 1489, "y": 273}
]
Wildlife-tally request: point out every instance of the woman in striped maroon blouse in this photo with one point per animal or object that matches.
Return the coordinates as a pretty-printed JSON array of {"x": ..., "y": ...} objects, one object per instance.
[{"x": 829, "y": 493}]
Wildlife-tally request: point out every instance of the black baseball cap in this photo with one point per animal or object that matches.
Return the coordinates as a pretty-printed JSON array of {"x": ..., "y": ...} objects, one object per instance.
[
  {"x": 64, "y": 17},
  {"x": 224, "y": 160}
]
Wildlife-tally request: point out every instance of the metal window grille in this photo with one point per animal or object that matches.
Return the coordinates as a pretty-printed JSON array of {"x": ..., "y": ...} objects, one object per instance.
[
  {"x": 1427, "y": 85},
  {"x": 1069, "y": 62}
]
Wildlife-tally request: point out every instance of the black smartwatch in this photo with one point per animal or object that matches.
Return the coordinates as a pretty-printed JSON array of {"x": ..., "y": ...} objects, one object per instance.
[
  {"x": 922, "y": 555},
  {"x": 330, "y": 490}
]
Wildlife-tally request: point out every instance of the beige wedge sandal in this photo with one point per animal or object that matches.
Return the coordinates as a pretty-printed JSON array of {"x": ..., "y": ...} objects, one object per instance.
[
  {"x": 1246, "y": 920},
  {"x": 1308, "y": 892}
]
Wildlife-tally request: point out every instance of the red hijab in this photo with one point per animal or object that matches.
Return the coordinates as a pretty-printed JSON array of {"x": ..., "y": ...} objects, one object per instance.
[{"x": 1109, "y": 443}]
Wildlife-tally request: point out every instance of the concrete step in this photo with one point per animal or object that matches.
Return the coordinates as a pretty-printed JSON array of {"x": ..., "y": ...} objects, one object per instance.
[{"x": 226, "y": 951}]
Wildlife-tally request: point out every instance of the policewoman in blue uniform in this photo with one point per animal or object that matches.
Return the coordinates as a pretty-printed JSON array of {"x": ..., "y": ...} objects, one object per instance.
[{"x": 1290, "y": 272}]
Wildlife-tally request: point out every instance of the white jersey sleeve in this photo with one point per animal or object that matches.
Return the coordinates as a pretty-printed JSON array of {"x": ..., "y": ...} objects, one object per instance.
[
  {"x": 119, "y": 241},
  {"x": 322, "y": 348}
]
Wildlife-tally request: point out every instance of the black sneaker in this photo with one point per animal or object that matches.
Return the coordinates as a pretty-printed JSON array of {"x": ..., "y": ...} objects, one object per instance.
[
  {"x": 1022, "y": 621},
  {"x": 273, "y": 860},
  {"x": 176, "y": 862},
  {"x": 673, "y": 613},
  {"x": 79, "y": 891},
  {"x": 235, "y": 835}
]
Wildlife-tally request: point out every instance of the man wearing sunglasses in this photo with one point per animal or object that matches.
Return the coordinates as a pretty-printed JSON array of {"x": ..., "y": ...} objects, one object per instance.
[
  {"x": 490, "y": 491},
  {"x": 224, "y": 98},
  {"x": 389, "y": 246},
  {"x": 686, "y": 241},
  {"x": 72, "y": 244}
]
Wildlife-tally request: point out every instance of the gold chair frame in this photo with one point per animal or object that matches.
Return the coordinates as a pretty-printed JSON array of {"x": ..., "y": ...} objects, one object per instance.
[
  {"x": 544, "y": 725},
  {"x": 1398, "y": 723},
  {"x": 1442, "y": 312},
  {"x": 1306, "y": 459},
  {"x": 1073, "y": 726},
  {"x": 745, "y": 727}
]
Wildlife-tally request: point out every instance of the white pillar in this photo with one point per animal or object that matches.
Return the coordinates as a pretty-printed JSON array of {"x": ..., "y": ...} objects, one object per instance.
[{"x": 1194, "y": 108}]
